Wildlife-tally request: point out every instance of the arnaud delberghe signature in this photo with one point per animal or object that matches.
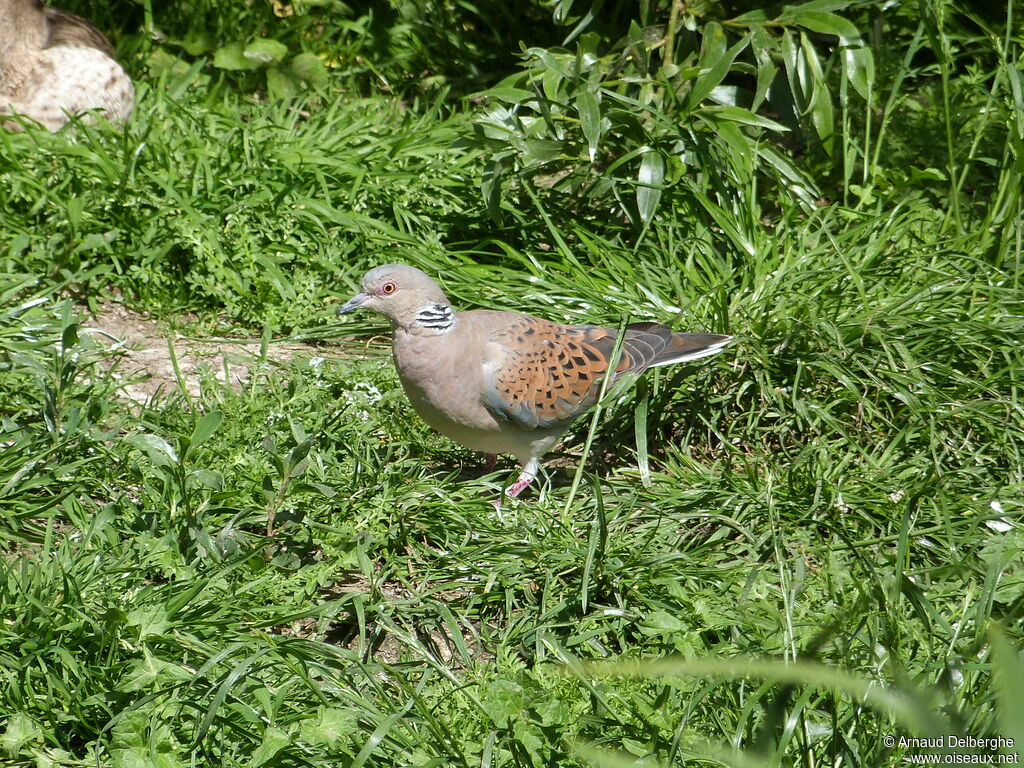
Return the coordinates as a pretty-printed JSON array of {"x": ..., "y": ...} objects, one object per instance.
[{"x": 956, "y": 742}]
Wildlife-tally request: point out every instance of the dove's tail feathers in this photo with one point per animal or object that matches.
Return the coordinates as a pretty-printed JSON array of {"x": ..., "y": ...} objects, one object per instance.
[{"x": 685, "y": 347}]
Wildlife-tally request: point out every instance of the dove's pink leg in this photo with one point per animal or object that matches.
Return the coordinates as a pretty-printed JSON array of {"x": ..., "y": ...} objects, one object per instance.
[
  {"x": 522, "y": 482},
  {"x": 525, "y": 478},
  {"x": 519, "y": 485}
]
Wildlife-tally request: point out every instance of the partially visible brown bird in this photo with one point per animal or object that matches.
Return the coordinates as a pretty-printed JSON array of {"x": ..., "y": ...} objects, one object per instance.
[
  {"x": 55, "y": 65},
  {"x": 502, "y": 382}
]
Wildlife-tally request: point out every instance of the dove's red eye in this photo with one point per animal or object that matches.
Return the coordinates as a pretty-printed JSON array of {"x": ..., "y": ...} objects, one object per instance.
[{"x": 388, "y": 288}]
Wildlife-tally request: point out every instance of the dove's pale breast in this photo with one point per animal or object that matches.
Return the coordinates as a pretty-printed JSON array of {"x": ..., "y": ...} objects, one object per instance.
[{"x": 446, "y": 378}]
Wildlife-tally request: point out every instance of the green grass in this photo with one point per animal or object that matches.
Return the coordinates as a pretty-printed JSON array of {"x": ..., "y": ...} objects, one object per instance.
[{"x": 816, "y": 544}]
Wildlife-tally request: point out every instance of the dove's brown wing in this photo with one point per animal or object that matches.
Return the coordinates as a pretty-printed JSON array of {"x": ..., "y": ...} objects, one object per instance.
[{"x": 543, "y": 375}]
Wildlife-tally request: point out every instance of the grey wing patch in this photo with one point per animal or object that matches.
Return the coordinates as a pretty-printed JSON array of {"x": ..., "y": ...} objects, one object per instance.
[
  {"x": 506, "y": 402},
  {"x": 519, "y": 413}
]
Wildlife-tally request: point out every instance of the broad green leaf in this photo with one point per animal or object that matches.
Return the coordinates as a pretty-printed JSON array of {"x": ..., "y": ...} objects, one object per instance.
[
  {"x": 232, "y": 56},
  {"x": 712, "y": 61},
  {"x": 636, "y": 34},
  {"x": 654, "y": 36},
  {"x": 151, "y": 620},
  {"x": 799, "y": 183},
  {"x": 762, "y": 46},
  {"x": 793, "y": 12},
  {"x": 159, "y": 61},
  {"x": 151, "y": 672},
  {"x": 829, "y": 24},
  {"x": 821, "y": 99},
  {"x": 498, "y": 123},
  {"x": 726, "y": 95},
  {"x": 918, "y": 175},
  {"x": 159, "y": 450},
  {"x": 507, "y": 93},
  {"x": 759, "y": 16},
  {"x": 553, "y": 83},
  {"x": 590, "y": 120},
  {"x": 69, "y": 336},
  {"x": 265, "y": 50},
  {"x": 715, "y": 62},
  {"x": 330, "y": 726},
  {"x": 744, "y": 116},
  {"x": 320, "y": 488},
  {"x": 858, "y": 61},
  {"x": 131, "y": 729},
  {"x": 299, "y": 453},
  {"x": 555, "y": 62},
  {"x": 528, "y": 737},
  {"x": 96, "y": 241},
  {"x": 865, "y": 194},
  {"x": 207, "y": 425},
  {"x": 21, "y": 730},
  {"x": 538, "y": 151},
  {"x": 210, "y": 479},
  {"x": 143, "y": 757},
  {"x": 587, "y": 47},
  {"x": 281, "y": 84},
  {"x": 502, "y": 701},
  {"x": 649, "y": 181},
  {"x": 133, "y": 757},
  {"x": 662, "y": 623},
  {"x": 198, "y": 43},
  {"x": 274, "y": 740},
  {"x": 298, "y": 432},
  {"x": 792, "y": 58},
  {"x": 310, "y": 69},
  {"x": 859, "y": 64},
  {"x": 560, "y": 10}
]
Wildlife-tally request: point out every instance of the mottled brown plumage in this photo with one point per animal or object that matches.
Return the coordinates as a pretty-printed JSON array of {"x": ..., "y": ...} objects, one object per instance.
[
  {"x": 65, "y": 28},
  {"x": 54, "y": 65},
  {"x": 502, "y": 382},
  {"x": 553, "y": 372}
]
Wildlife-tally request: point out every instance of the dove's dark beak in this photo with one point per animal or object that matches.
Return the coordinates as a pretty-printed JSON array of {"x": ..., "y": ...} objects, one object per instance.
[{"x": 353, "y": 304}]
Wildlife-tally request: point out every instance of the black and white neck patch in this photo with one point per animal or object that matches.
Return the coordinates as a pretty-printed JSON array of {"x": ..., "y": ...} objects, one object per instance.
[{"x": 439, "y": 317}]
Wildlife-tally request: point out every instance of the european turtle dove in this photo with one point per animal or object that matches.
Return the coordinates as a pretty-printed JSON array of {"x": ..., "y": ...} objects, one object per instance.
[{"x": 502, "y": 382}]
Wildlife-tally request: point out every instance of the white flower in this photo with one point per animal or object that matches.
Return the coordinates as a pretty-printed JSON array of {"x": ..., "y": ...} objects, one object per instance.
[{"x": 371, "y": 393}]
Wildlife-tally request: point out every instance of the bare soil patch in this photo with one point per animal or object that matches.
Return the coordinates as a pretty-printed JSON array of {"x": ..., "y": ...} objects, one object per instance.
[{"x": 146, "y": 363}]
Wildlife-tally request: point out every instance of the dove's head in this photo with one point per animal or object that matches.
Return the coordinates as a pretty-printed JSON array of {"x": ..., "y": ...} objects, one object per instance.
[{"x": 401, "y": 292}]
